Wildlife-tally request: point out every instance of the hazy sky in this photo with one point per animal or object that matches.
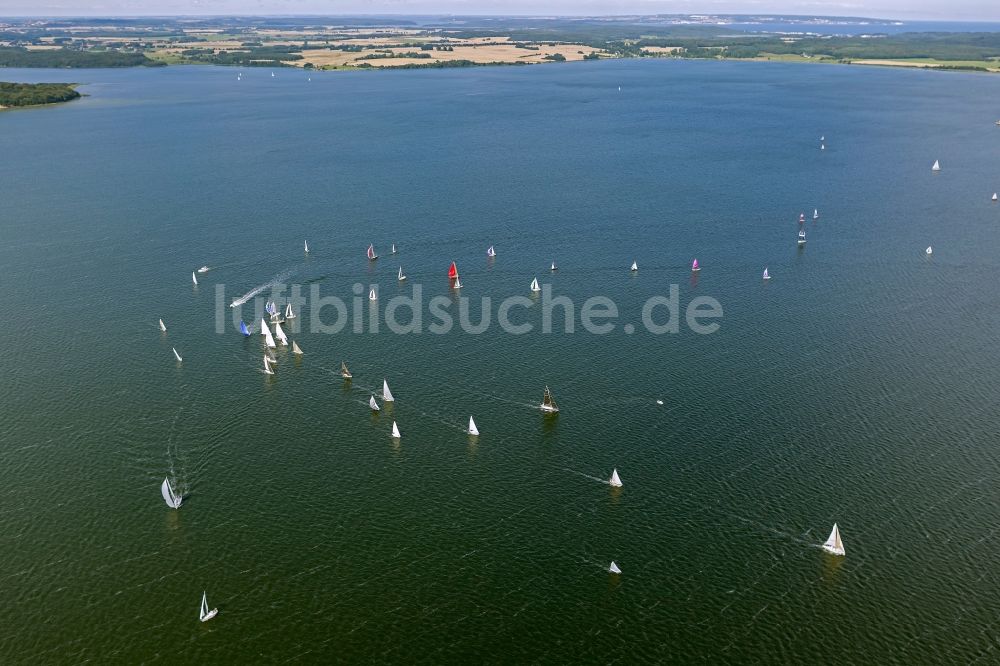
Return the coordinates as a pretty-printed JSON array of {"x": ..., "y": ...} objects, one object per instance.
[{"x": 963, "y": 10}]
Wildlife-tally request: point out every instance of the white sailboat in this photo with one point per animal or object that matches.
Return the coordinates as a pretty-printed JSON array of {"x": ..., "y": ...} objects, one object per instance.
[
  {"x": 306, "y": 245},
  {"x": 372, "y": 296},
  {"x": 936, "y": 166},
  {"x": 344, "y": 372},
  {"x": 929, "y": 250},
  {"x": 802, "y": 237},
  {"x": 205, "y": 615},
  {"x": 473, "y": 430},
  {"x": 635, "y": 267},
  {"x": 172, "y": 499},
  {"x": 393, "y": 248},
  {"x": 548, "y": 404},
  {"x": 163, "y": 326},
  {"x": 534, "y": 285},
  {"x": 994, "y": 198},
  {"x": 458, "y": 283},
  {"x": 194, "y": 278},
  {"x": 371, "y": 253},
  {"x": 553, "y": 268},
  {"x": 401, "y": 277},
  {"x": 296, "y": 349},
  {"x": 614, "y": 568},
  {"x": 815, "y": 213},
  {"x": 614, "y": 481},
  {"x": 179, "y": 359},
  {"x": 281, "y": 335},
  {"x": 266, "y": 332},
  {"x": 395, "y": 430},
  {"x": 267, "y": 365},
  {"x": 767, "y": 276},
  {"x": 490, "y": 252},
  {"x": 822, "y": 146},
  {"x": 834, "y": 545},
  {"x": 204, "y": 269},
  {"x": 386, "y": 393},
  {"x": 289, "y": 312},
  {"x": 373, "y": 404}
]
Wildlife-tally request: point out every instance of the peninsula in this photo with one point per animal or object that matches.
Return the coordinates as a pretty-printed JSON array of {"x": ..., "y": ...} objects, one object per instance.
[{"x": 35, "y": 94}]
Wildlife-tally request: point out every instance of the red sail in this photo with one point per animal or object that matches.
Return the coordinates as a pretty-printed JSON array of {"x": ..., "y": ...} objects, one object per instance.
[{"x": 452, "y": 271}]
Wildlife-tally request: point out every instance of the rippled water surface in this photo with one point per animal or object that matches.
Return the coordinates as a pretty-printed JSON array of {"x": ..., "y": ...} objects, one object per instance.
[{"x": 858, "y": 386}]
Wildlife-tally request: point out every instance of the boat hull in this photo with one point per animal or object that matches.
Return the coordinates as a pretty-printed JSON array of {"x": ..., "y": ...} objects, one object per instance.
[
  {"x": 210, "y": 614},
  {"x": 834, "y": 551}
]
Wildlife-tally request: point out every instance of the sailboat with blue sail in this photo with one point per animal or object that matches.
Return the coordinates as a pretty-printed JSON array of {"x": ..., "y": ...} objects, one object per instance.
[{"x": 244, "y": 329}]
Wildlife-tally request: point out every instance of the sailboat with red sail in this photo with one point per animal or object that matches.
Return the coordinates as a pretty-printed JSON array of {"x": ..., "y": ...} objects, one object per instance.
[{"x": 452, "y": 272}]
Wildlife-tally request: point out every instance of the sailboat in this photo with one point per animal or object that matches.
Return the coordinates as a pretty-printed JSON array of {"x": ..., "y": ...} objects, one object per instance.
[
  {"x": 373, "y": 404},
  {"x": 272, "y": 310},
  {"x": 614, "y": 481},
  {"x": 344, "y": 372},
  {"x": 694, "y": 266},
  {"x": 548, "y": 404},
  {"x": 473, "y": 430},
  {"x": 296, "y": 349},
  {"x": 205, "y": 615},
  {"x": 994, "y": 197},
  {"x": 203, "y": 269},
  {"x": 371, "y": 253},
  {"x": 194, "y": 278},
  {"x": 822, "y": 138},
  {"x": 401, "y": 277},
  {"x": 289, "y": 312},
  {"x": 281, "y": 335},
  {"x": 534, "y": 285},
  {"x": 178, "y": 356},
  {"x": 458, "y": 284},
  {"x": 802, "y": 218},
  {"x": 306, "y": 245},
  {"x": 553, "y": 268},
  {"x": 490, "y": 252},
  {"x": 767, "y": 276},
  {"x": 802, "y": 236},
  {"x": 634, "y": 267},
  {"x": 614, "y": 568},
  {"x": 822, "y": 146},
  {"x": 395, "y": 430},
  {"x": 815, "y": 213},
  {"x": 453, "y": 271},
  {"x": 172, "y": 499},
  {"x": 929, "y": 250},
  {"x": 372, "y": 296},
  {"x": 244, "y": 329},
  {"x": 936, "y": 166},
  {"x": 267, "y": 365},
  {"x": 386, "y": 394},
  {"x": 393, "y": 248},
  {"x": 266, "y": 332},
  {"x": 163, "y": 326},
  {"x": 834, "y": 545}
]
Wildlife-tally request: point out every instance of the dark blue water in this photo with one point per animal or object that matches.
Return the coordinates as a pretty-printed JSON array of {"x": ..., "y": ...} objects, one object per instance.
[{"x": 857, "y": 387}]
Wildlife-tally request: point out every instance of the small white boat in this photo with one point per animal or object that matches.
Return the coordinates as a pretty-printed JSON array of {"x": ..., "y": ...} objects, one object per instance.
[
  {"x": 822, "y": 146},
  {"x": 205, "y": 615},
  {"x": 386, "y": 393},
  {"x": 458, "y": 284},
  {"x": 194, "y": 278},
  {"x": 534, "y": 285},
  {"x": 823, "y": 138},
  {"x": 306, "y": 245},
  {"x": 266, "y": 332},
  {"x": 172, "y": 499},
  {"x": 767, "y": 276},
  {"x": 371, "y": 253},
  {"x": 267, "y": 365},
  {"x": 296, "y": 349},
  {"x": 203, "y": 269},
  {"x": 373, "y": 404},
  {"x": 994, "y": 198},
  {"x": 372, "y": 296},
  {"x": 281, "y": 335},
  {"x": 272, "y": 75},
  {"x": 834, "y": 545},
  {"x": 289, "y": 313},
  {"x": 614, "y": 481},
  {"x": 659, "y": 402},
  {"x": 802, "y": 237},
  {"x": 553, "y": 267},
  {"x": 473, "y": 430},
  {"x": 178, "y": 356},
  {"x": 163, "y": 326},
  {"x": 344, "y": 372},
  {"x": 695, "y": 267},
  {"x": 614, "y": 568},
  {"x": 802, "y": 218},
  {"x": 393, "y": 251},
  {"x": 548, "y": 404},
  {"x": 395, "y": 430},
  {"x": 936, "y": 166},
  {"x": 490, "y": 252},
  {"x": 634, "y": 267},
  {"x": 929, "y": 250},
  {"x": 815, "y": 213},
  {"x": 401, "y": 277}
]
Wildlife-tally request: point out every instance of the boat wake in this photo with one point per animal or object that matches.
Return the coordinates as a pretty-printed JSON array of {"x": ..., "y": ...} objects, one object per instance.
[
  {"x": 277, "y": 279},
  {"x": 586, "y": 476}
]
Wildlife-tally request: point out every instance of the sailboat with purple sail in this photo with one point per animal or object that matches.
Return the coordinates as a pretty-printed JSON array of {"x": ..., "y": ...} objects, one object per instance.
[{"x": 695, "y": 267}]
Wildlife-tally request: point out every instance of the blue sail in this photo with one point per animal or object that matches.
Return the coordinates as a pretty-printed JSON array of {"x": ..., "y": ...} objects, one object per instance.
[
  {"x": 243, "y": 328},
  {"x": 271, "y": 309}
]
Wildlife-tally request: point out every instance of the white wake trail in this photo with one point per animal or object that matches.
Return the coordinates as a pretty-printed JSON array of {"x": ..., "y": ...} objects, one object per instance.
[{"x": 280, "y": 277}]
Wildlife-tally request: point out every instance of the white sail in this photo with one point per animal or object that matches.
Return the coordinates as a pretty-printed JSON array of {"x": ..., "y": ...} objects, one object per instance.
[
  {"x": 767, "y": 276},
  {"x": 296, "y": 349},
  {"x": 267, "y": 366},
  {"x": 194, "y": 278},
  {"x": 614, "y": 481},
  {"x": 634, "y": 267},
  {"x": 614, "y": 568},
  {"x": 163, "y": 326},
  {"x": 204, "y": 614},
  {"x": 534, "y": 285},
  {"x": 173, "y": 500},
  {"x": 373, "y": 404},
  {"x": 281, "y": 334},
  {"x": 266, "y": 332},
  {"x": 372, "y": 296},
  {"x": 393, "y": 248},
  {"x": 473, "y": 430},
  {"x": 937, "y": 166},
  {"x": 491, "y": 252},
  {"x": 395, "y": 430},
  {"x": 204, "y": 269},
  {"x": 815, "y": 213},
  {"x": 834, "y": 545},
  {"x": 401, "y": 276},
  {"x": 177, "y": 355},
  {"x": 386, "y": 394},
  {"x": 458, "y": 284},
  {"x": 553, "y": 267},
  {"x": 994, "y": 197},
  {"x": 289, "y": 312},
  {"x": 929, "y": 250},
  {"x": 306, "y": 244}
]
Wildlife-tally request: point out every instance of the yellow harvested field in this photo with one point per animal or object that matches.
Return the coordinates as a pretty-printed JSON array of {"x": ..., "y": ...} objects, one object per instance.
[
  {"x": 464, "y": 50},
  {"x": 661, "y": 49}
]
